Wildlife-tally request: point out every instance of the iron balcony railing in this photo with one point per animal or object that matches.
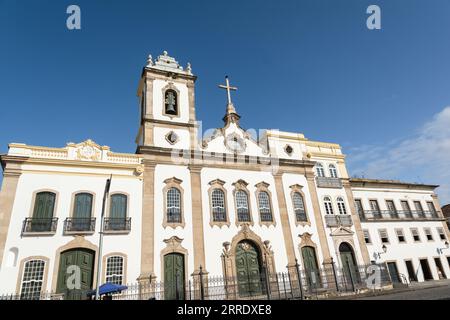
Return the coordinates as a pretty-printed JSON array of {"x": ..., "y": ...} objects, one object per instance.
[
  {"x": 376, "y": 215},
  {"x": 117, "y": 224},
  {"x": 83, "y": 225},
  {"x": 328, "y": 182},
  {"x": 334, "y": 221},
  {"x": 39, "y": 225}
]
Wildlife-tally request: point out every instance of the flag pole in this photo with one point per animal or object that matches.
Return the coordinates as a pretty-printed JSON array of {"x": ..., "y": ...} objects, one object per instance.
[{"x": 100, "y": 244}]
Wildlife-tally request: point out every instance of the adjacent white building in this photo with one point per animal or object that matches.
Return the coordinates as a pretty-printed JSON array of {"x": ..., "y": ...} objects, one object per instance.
[{"x": 228, "y": 205}]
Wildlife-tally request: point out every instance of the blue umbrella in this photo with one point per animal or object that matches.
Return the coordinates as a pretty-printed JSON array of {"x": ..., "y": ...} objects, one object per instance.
[{"x": 108, "y": 288}]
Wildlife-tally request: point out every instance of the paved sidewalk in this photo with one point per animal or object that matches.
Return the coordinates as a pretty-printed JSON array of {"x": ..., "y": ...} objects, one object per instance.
[{"x": 429, "y": 290}]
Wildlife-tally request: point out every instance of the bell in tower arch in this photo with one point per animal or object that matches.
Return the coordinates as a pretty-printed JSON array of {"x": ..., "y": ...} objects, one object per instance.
[{"x": 170, "y": 101}]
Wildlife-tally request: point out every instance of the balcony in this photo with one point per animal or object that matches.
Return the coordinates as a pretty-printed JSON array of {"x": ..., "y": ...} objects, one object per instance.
[
  {"x": 117, "y": 225},
  {"x": 39, "y": 226},
  {"x": 79, "y": 225},
  {"x": 335, "y": 221},
  {"x": 397, "y": 215},
  {"x": 328, "y": 182}
]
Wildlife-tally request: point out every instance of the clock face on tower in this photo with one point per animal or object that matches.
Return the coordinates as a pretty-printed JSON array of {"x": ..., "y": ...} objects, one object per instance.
[{"x": 234, "y": 143}]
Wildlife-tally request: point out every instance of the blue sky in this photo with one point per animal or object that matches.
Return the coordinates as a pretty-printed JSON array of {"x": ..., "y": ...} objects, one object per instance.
[{"x": 302, "y": 66}]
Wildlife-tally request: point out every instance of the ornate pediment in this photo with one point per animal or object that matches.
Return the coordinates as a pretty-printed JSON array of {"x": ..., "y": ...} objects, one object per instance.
[
  {"x": 306, "y": 241},
  {"x": 88, "y": 150},
  {"x": 240, "y": 184},
  {"x": 342, "y": 232},
  {"x": 173, "y": 242},
  {"x": 216, "y": 182}
]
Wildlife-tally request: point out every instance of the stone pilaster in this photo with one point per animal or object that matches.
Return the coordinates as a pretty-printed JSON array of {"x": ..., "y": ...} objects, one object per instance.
[
  {"x": 285, "y": 225},
  {"x": 197, "y": 220},
  {"x": 357, "y": 223},
  {"x": 148, "y": 224},
  {"x": 11, "y": 177},
  {"x": 318, "y": 218}
]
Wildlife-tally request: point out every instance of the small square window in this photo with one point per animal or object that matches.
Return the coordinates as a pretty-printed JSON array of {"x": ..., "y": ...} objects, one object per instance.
[
  {"x": 415, "y": 235},
  {"x": 428, "y": 234},
  {"x": 384, "y": 236},
  {"x": 400, "y": 235},
  {"x": 441, "y": 233}
]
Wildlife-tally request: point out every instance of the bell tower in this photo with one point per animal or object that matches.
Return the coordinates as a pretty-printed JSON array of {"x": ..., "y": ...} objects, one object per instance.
[{"x": 167, "y": 105}]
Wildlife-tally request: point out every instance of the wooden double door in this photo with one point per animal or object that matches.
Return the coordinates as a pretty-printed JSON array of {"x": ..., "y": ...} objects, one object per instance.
[
  {"x": 248, "y": 269},
  {"x": 174, "y": 277},
  {"x": 76, "y": 273},
  {"x": 349, "y": 266},
  {"x": 311, "y": 267}
]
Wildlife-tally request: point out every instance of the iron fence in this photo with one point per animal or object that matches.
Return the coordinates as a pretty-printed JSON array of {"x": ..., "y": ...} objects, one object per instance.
[
  {"x": 293, "y": 283},
  {"x": 33, "y": 296}
]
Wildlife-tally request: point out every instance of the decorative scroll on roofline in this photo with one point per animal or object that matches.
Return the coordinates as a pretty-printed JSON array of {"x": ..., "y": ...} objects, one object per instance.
[
  {"x": 164, "y": 62},
  {"x": 84, "y": 151}
]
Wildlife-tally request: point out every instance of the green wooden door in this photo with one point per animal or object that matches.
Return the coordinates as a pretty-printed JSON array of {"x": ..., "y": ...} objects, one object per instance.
[
  {"x": 174, "y": 276},
  {"x": 311, "y": 267},
  {"x": 84, "y": 260},
  {"x": 43, "y": 212},
  {"x": 350, "y": 270},
  {"x": 82, "y": 212},
  {"x": 393, "y": 272},
  {"x": 248, "y": 269}
]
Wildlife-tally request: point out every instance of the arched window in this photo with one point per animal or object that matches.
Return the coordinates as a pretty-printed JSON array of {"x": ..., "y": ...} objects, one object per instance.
[
  {"x": 242, "y": 206},
  {"x": 299, "y": 207},
  {"x": 171, "y": 102},
  {"x": 115, "y": 270},
  {"x": 44, "y": 207},
  {"x": 341, "y": 205},
  {"x": 173, "y": 205},
  {"x": 218, "y": 205},
  {"x": 319, "y": 170},
  {"x": 333, "y": 171},
  {"x": 32, "y": 280},
  {"x": 265, "y": 209},
  {"x": 328, "y": 205}
]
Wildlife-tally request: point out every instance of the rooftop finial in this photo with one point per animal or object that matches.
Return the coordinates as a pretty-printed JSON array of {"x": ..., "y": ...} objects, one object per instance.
[
  {"x": 189, "y": 68},
  {"x": 165, "y": 53},
  {"x": 149, "y": 60}
]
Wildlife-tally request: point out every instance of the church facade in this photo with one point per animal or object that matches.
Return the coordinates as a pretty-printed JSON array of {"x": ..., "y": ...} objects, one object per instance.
[{"x": 226, "y": 205}]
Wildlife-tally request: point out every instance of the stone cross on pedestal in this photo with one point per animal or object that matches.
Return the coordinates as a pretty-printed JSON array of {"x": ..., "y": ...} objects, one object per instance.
[{"x": 228, "y": 88}]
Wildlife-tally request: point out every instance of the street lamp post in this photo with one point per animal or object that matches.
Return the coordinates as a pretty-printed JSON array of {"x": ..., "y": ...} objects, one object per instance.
[
  {"x": 441, "y": 250},
  {"x": 378, "y": 254},
  {"x": 100, "y": 244}
]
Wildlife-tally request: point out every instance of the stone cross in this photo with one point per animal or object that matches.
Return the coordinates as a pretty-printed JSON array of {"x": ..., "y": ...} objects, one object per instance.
[{"x": 228, "y": 88}]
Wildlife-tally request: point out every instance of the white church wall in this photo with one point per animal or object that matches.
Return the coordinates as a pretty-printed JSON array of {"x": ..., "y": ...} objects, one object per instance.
[
  {"x": 215, "y": 237},
  {"x": 218, "y": 144},
  {"x": 65, "y": 185},
  {"x": 290, "y": 179},
  {"x": 163, "y": 172},
  {"x": 160, "y": 133}
]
